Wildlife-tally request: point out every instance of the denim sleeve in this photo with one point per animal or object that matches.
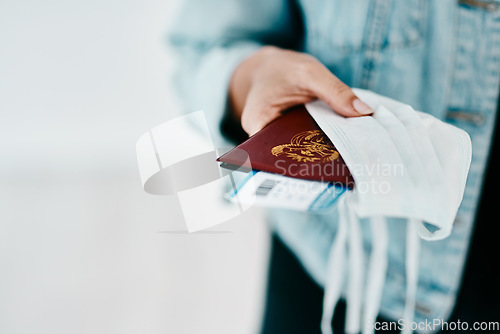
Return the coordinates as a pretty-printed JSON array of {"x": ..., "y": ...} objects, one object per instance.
[{"x": 210, "y": 38}]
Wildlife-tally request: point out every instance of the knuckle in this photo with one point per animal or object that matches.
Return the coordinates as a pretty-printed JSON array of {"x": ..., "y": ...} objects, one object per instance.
[
  {"x": 301, "y": 68},
  {"x": 305, "y": 63},
  {"x": 341, "y": 90},
  {"x": 268, "y": 50}
]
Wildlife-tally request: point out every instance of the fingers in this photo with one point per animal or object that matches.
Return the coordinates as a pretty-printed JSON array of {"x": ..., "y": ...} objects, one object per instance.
[
  {"x": 336, "y": 94},
  {"x": 286, "y": 78},
  {"x": 256, "y": 115}
]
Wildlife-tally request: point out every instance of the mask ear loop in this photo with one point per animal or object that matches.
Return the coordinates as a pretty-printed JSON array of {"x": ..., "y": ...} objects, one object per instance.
[
  {"x": 335, "y": 268},
  {"x": 377, "y": 270},
  {"x": 412, "y": 254},
  {"x": 354, "y": 294}
]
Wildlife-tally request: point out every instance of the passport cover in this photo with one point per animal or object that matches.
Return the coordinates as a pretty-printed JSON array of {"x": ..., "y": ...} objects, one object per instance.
[{"x": 292, "y": 145}]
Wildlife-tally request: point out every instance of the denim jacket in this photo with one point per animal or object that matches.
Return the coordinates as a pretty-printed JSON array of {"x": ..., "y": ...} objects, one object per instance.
[{"x": 442, "y": 57}]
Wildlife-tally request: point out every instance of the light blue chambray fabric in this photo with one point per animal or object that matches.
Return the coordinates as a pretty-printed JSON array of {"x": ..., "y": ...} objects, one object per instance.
[{"x": 438, "y": 56}]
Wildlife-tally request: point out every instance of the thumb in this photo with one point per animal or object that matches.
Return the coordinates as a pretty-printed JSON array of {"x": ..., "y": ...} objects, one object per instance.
[
  {"x": 338, "y": 95},
  {"x": 257, "y": 114}
]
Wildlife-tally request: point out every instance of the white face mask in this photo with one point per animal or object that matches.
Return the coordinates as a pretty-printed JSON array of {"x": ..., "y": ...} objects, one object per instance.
[{"x": 405, "y": 164}]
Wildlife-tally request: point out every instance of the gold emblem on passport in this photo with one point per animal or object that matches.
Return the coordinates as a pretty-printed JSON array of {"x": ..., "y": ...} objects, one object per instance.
[{"x": 308, "y": 146}]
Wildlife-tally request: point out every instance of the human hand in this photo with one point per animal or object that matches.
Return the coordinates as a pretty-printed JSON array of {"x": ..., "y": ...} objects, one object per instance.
[{"x": 273, "y": 79}]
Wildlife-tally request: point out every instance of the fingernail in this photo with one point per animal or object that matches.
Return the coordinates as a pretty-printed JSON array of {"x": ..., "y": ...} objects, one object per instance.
[{"x": 362, "y": 107}]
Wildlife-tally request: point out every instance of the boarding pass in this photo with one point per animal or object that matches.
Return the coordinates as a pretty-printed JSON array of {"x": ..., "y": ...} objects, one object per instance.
[{"x": 278, "y": 191}]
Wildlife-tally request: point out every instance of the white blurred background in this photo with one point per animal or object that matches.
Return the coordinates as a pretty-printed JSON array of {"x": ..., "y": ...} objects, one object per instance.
[{"x": 83, "y": 249}]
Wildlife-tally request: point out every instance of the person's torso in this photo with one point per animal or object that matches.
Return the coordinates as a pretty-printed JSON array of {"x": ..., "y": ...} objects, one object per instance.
[{"x": 441, "y": 57}]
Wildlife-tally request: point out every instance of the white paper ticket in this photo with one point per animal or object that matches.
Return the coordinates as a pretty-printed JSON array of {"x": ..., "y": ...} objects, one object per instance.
[{"x": 278, "y": 191}]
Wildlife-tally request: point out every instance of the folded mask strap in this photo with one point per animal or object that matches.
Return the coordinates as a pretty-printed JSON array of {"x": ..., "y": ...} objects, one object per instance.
[
  {"x": 354, "y": 294},
  {"x": 335, "y": 269},
  {"x": 377, "y": 270},
  {"x": 412, "y": 255}
]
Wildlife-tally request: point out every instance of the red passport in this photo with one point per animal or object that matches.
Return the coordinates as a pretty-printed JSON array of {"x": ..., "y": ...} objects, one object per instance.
[{"x": 292, "y": 145}]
